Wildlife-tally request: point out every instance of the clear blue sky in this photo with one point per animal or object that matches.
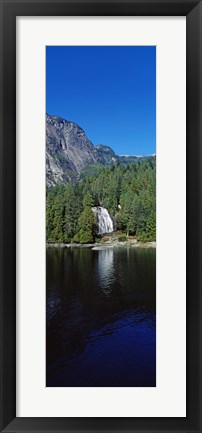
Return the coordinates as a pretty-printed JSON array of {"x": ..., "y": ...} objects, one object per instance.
[{"x": 109, "y": 91}]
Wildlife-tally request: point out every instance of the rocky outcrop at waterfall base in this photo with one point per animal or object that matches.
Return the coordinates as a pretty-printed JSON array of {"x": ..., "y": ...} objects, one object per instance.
[
  {"x": 99, "y": 246},
  {"x": 69, "y": 152},
  {"x": 110, "y": 240}
]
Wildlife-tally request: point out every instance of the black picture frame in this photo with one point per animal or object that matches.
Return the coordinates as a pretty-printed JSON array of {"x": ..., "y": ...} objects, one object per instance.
[{"x": 9, "y": 11}]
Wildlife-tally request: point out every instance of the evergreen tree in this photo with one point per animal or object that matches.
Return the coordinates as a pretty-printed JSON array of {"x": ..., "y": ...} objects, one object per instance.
[
  {"x": 86, "y": 226},
  {"x": 73, "y": 208}
]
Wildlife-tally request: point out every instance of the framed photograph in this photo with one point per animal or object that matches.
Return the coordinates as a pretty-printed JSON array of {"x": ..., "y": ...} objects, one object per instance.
[{"x": 100, "y": 216}]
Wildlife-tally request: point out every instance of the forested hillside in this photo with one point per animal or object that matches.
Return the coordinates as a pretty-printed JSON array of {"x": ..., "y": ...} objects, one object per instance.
[{"x": 128, "y": 192}]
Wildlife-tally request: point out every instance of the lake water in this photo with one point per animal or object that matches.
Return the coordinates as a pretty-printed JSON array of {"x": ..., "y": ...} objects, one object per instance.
[{"x": 101, "y": 317}]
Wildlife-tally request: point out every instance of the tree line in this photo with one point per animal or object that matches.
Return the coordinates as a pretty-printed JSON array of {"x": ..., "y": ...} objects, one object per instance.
[{"x": 128, "y": 192}]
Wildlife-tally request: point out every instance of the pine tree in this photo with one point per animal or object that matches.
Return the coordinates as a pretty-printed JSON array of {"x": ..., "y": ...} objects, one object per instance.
[{"x": 86, "y": 225}]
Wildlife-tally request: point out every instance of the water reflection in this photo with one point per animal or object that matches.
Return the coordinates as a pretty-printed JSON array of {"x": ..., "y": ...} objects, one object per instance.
[
  {"x": 105, "y": 270},
  {"x": 101, "y": 317}
]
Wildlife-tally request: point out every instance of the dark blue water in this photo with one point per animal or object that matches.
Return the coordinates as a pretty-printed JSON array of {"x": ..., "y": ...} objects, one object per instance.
[{"x": 101, "y": 317}]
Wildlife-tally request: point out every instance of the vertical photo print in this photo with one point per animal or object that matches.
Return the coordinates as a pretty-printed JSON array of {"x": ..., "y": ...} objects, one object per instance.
[{"x": 100, "y": 216}]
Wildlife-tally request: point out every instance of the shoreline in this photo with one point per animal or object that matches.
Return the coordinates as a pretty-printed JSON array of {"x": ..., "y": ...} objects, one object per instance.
[{"x": 100, "y": 246}]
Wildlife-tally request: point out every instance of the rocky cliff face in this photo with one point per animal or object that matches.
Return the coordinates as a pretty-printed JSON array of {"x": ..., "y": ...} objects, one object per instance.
[{"x": 69, "y": 151}]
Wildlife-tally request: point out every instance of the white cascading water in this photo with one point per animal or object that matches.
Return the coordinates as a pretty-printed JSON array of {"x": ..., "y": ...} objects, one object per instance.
[{"x": 103, "y": 219}]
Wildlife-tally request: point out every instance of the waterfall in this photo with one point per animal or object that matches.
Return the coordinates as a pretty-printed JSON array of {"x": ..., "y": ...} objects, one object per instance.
[{"x": 103, "y": 219}]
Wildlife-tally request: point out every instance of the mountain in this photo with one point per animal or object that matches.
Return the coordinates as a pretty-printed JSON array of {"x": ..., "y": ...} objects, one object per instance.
[
  {"x": 69, "y": 152},
  {"x": 106, "y": 155}
]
